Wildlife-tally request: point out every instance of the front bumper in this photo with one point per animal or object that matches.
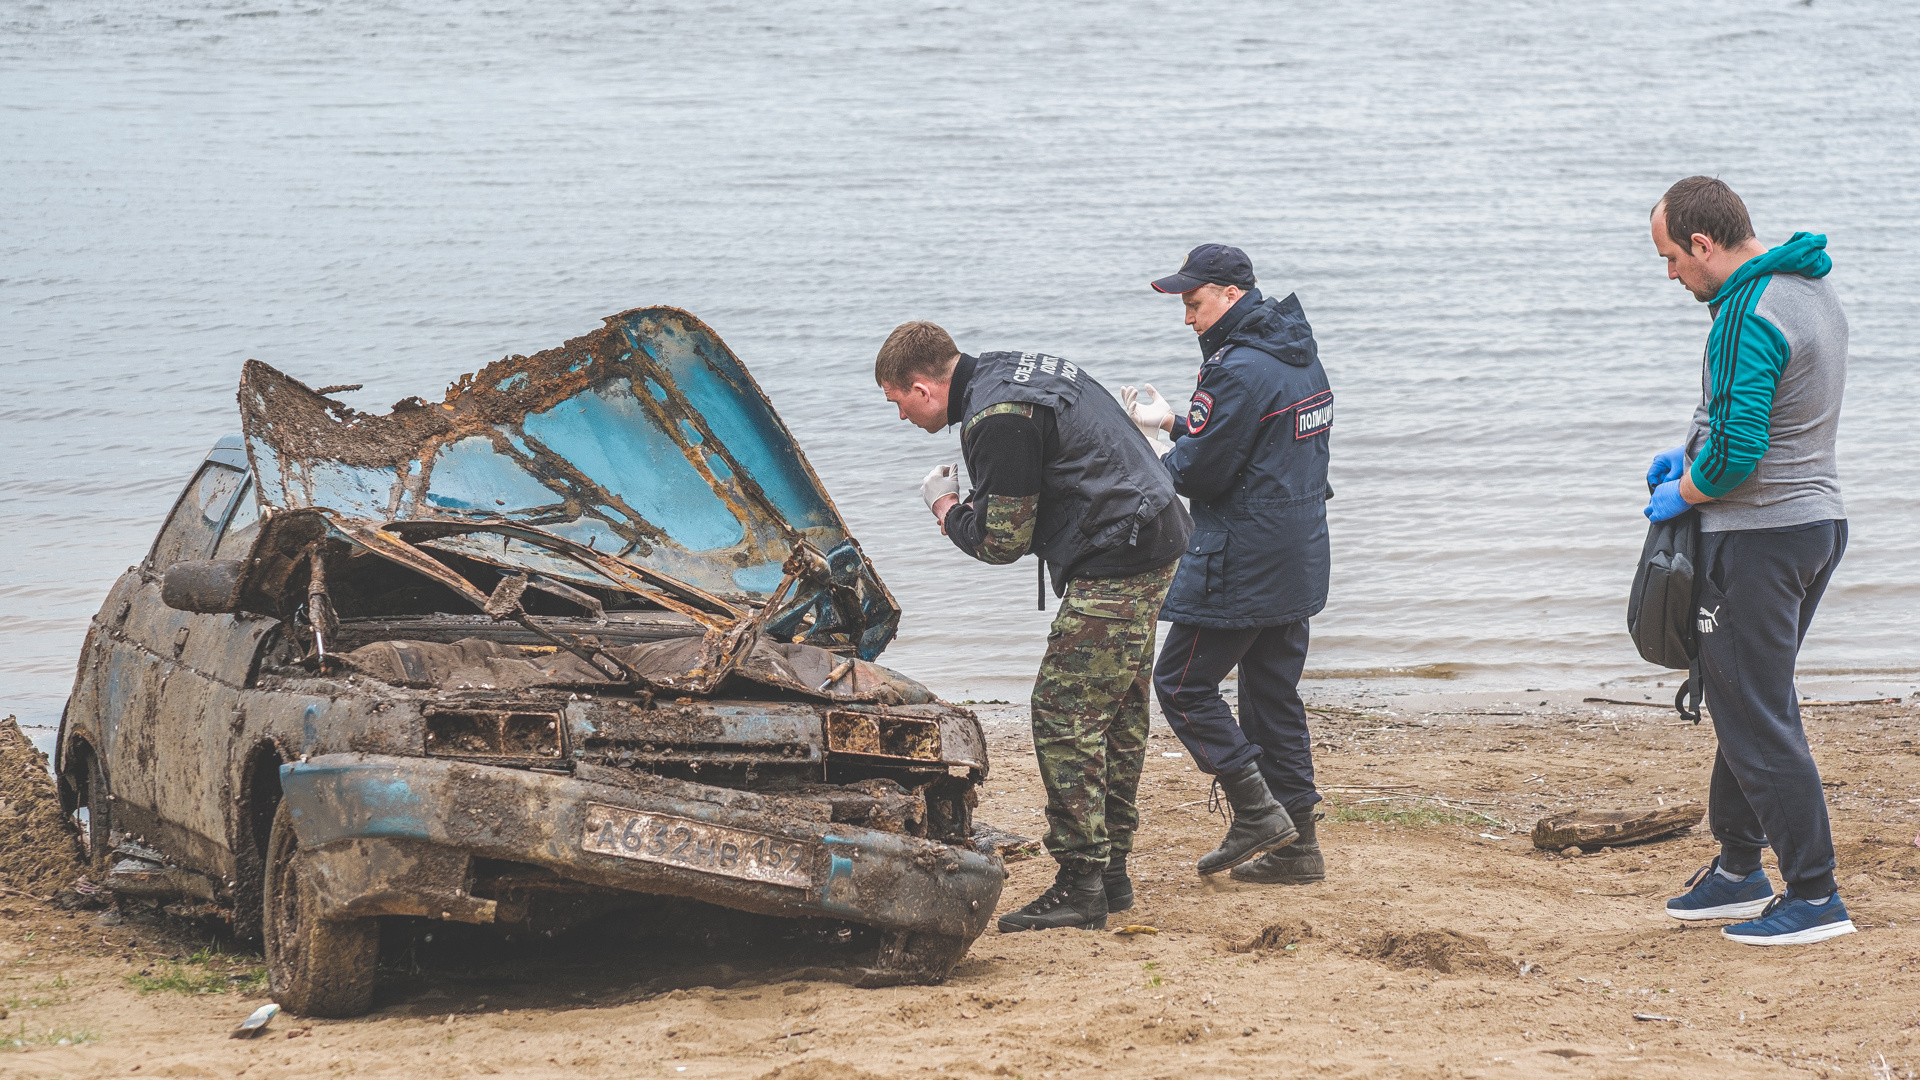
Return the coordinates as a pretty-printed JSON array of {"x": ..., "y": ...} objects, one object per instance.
[{"x": 393, "y": 835}]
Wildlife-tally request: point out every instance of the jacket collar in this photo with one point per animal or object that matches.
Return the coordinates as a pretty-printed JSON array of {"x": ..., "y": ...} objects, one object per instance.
[
  {"x": 957, "y": 389},
  {"x": 1217, "y": 334}
]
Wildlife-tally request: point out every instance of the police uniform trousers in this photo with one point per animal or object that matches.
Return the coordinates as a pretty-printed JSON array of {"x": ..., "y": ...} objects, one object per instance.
[
  {"x": 1758, "y": 593},
  {"x": 1272, "y": 727},
  {"x": 1090, "y": 714}
]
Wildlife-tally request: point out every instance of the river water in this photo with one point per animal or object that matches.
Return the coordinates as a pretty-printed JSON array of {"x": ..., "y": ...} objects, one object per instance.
[{"x": 396, "y": 193}]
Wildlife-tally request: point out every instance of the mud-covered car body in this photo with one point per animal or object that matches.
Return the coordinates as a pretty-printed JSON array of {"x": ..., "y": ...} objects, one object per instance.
[{"x": 587, "y": 632}]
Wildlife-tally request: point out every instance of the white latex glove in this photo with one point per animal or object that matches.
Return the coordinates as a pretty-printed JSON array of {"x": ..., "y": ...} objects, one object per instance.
[
  {"x": 1150, "y": 413},
  {"x": 944, "y": 480}
]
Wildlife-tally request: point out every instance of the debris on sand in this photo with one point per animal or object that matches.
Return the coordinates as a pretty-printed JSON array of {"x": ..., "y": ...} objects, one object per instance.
[
  {"x": 42, "y": 853},
  {"x": 1597, "y": 828},
  {"x": 819, "y": 1070},
  {"x": 257, "y": 1022},
  {"x": 1448, "y": 952},
  {"x": 1278, "y": 935},
  {"x": 1011, "y": 847}
]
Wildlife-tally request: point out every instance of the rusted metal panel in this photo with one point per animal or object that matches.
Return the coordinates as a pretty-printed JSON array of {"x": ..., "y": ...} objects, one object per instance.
[
  {"x": 646, "y": 441},
  {"x": 360, "y": 877},
  {"x": 883, "y": 736},
  {"x": 622, "y": 732}
]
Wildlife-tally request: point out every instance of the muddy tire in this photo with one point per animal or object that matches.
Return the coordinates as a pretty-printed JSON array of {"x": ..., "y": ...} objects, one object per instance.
[
  {"x": 99, "y": 819},
  {"x": 913, "y": 960},
  {"x": 315, "y": 967}
]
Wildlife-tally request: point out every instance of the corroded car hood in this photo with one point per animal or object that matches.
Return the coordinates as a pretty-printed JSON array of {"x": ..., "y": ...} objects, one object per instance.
[{"x": 646, "y": 440}]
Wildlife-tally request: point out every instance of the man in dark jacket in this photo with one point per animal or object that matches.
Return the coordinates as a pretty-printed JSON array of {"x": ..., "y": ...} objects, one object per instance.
[
  {"x": 1251, "y": 453},
  {"x": 1058, "y": 471}
]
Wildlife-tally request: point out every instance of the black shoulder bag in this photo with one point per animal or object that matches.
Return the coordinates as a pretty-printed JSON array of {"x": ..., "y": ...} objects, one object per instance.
[{"x": 1660, "y": 609}]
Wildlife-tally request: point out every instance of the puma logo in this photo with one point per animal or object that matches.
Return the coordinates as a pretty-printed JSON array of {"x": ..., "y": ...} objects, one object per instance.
[{"x": 1709, "y": 620}]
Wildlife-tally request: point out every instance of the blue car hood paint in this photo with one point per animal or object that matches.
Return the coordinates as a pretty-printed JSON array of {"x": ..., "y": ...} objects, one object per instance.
[{"x": 646, "y": 439}]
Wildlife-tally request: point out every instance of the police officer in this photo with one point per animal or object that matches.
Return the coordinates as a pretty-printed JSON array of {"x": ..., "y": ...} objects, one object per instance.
[
  {"x": 1251, "y": 453},
  {"x": 1057, "y": 470}
]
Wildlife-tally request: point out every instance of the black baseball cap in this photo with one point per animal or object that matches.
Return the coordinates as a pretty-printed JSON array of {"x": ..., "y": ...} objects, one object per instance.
[{"x": 1209, "y": 264}]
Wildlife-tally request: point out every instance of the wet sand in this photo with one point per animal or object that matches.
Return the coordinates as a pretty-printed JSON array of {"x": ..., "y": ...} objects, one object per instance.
[{"x": 1442, "y": 944}]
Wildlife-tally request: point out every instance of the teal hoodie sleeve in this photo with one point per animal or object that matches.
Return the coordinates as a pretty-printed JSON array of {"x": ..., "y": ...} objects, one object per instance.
[{"x": 1746, "y": 355}]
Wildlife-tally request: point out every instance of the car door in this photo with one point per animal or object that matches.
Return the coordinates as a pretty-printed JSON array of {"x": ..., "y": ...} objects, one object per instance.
[{"x": 176, "y": 684}]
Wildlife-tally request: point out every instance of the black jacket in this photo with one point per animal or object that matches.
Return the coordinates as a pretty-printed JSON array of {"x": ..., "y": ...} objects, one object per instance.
[{"x": 1251, "y": 454}]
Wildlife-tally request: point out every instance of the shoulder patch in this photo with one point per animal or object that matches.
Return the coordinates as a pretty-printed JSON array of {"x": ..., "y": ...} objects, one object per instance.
[
  {"x": 1015, "y": 408},
  {"x": 1199, "y": 412},
  {"x": 1313, "y": 416}
]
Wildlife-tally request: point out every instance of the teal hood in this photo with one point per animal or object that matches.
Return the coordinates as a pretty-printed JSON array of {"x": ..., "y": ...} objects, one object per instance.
[{"x": 1805, "y": 254}]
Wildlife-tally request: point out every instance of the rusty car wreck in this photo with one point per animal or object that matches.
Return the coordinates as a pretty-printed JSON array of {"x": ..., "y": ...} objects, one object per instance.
[{"x": 588, "y": 635}]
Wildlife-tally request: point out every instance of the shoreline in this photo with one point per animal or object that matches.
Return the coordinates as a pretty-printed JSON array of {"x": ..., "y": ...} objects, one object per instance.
[{"x": 1442, "y": 943}]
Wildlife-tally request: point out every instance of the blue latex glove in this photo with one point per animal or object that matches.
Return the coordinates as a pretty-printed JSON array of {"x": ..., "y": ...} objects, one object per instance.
[
  {"x": 1667, "y": 465},
  {"x": 1666, "y": 502}
]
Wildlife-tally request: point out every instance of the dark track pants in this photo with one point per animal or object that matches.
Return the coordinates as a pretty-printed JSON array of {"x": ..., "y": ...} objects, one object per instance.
[
  {"x": 1272, "y": 728},
  {"x": 1758, "y": 595}
]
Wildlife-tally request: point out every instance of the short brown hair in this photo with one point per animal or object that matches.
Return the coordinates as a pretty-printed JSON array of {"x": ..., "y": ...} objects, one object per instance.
[
  {"x": 914, "y": 348},
  {"x": 1703, "y": 204}
]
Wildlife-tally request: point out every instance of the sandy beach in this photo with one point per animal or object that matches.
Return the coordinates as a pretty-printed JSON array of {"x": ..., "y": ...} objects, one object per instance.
[{"x": 1441, "y": 944}]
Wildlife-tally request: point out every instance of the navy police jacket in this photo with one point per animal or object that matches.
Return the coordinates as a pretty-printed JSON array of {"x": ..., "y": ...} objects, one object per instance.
[{"x": 1251, "y": 454}]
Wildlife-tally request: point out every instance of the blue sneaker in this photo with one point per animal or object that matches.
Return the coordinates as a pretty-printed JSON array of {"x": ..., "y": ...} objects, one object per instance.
[
  {"x": 1792, "y": 921},
  {"x": 1712, "y": 896}
]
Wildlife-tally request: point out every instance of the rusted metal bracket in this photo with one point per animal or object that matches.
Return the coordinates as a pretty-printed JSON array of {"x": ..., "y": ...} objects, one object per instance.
[
  {"x": 320, "y": 614},
  {"x": 505, "y": 604},
  {"x": 567, "y": 592}
]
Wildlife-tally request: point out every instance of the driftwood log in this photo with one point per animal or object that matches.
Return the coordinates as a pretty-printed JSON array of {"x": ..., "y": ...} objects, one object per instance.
[{"x": 1606, "y": 828}]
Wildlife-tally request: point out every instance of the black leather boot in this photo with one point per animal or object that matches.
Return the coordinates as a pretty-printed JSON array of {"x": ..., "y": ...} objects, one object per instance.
[
  {"x": 1119, "y": 885},
  {"x": 1259, "y": 823},
  {"x": 1078, "y": 898},
  {"x": 1299, "y": 863}
]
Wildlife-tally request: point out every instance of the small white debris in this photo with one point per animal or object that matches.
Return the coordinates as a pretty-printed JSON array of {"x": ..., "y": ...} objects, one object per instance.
[{"x": 256, "y": 1023}]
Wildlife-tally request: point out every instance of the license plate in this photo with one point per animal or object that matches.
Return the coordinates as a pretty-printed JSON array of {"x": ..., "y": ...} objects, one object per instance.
[{"x": 696, "y": 845}]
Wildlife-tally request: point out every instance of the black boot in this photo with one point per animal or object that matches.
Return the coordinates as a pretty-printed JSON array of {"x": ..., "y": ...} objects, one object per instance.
[
  {"x": 1299, "y": 863},
  {"x": 1259, "y": 823},
  {"x": 1119, "y": 885},
  {"x": 1078, "y": 898}
]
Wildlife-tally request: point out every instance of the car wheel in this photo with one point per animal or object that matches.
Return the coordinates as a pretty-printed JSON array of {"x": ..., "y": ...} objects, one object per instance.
[
  {"x": 315, "y": 967},
  {"x": 99, "y": 818}
]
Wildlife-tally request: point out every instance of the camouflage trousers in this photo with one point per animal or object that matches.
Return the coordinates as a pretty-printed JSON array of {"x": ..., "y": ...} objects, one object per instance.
[{"x": 1090, "y": 714}]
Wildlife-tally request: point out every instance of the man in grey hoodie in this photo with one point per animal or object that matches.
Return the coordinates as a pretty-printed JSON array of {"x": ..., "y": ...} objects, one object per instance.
[{"x": 1759, "y": 467}]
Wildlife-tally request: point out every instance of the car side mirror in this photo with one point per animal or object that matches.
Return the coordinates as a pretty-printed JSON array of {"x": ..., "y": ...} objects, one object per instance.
[{"x": 205, "y": 588}]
